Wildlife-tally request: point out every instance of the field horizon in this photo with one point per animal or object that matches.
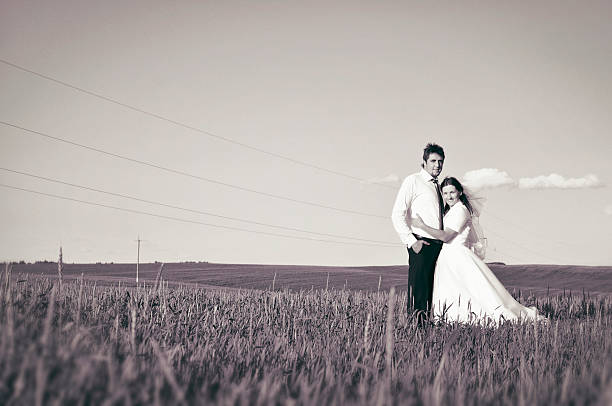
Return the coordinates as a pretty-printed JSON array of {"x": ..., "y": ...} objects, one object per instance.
[{"x": 532, "y": 279}]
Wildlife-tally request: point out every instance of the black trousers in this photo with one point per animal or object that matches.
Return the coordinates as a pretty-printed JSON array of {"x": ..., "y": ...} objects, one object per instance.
[{"x": 421, "y": 269}]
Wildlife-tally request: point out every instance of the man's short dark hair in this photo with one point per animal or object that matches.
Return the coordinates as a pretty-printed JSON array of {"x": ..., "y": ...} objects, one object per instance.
[{"x": 432, "y": 148}]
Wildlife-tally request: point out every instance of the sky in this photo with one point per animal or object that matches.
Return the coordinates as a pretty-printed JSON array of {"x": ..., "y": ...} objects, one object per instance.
[{"x": 199, "y": 120}]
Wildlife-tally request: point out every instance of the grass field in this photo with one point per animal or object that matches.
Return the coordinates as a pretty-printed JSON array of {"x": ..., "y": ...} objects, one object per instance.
[{"x": 77, "y": 342}]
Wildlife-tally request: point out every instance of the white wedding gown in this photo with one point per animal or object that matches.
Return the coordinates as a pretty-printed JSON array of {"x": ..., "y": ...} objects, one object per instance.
[{"x": 465, "y": 289}]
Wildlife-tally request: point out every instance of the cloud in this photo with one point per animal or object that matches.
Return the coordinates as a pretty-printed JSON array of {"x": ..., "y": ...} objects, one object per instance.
[
  {"x": 555, "y": 181},
  {"x": 487, "y": 178},
  {"x": 608, "y": 210},
  {"x": 392, "y": 178}
]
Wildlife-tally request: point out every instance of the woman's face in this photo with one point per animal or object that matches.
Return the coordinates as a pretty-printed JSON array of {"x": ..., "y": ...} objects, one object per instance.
[{"x": 450, "y": 195}]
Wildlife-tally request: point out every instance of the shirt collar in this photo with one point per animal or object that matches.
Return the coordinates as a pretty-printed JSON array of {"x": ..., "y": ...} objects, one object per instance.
[{"x": 425, "y": 175}]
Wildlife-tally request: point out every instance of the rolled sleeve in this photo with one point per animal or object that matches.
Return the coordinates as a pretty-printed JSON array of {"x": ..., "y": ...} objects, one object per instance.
[{"x": 401, "y": 208}]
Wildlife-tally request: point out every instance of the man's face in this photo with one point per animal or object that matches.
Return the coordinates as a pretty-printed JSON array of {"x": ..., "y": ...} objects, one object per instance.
[{"x": 434, "y": 164}]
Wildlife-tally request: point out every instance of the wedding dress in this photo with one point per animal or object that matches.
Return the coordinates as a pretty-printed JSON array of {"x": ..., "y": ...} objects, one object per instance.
[{"x": 465, "y": 289}]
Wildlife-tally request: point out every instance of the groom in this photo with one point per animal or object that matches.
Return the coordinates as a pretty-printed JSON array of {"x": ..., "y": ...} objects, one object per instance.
[{"x": 420, "y": 194}]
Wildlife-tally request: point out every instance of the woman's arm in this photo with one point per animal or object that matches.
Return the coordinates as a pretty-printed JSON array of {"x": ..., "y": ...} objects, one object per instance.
[{"x": 443, "y": 235}]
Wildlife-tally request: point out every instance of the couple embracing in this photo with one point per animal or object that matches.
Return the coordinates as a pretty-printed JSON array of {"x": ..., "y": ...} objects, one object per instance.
[{"x": 447, "y": 281}]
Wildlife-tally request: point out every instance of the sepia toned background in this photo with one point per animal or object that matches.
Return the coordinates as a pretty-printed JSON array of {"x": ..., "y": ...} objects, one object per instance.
[{"x": 257, "y": 95}]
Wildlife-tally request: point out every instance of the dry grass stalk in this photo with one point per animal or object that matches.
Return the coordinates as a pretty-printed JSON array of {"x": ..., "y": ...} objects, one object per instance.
[
  {"x": 366, "y": 334},
  {"x": 60, "y": 266},
  {"x": 7, "y": 281},
  {"x": 606, "y": 396},
  {"x": 20, "y": 382},
  {"x": 565, "y": 385},
  {"x": 115, "y": 336},
  {"x": 49, "y": 319},
  {"x": 41, "y": 372},
  {"x": 80, "y": 300},
  {"x": 167, "y": 371},
  {"x": 158, "y": 278},
  {"x": 438, "y": 392},
  {"x": 389, "y": 333},
  {"x": 133, "y": 327},
  {"x": 9, "y": 344}
]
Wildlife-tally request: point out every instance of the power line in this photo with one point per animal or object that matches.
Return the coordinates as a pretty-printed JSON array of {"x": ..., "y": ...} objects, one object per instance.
[
  {"x": 518, "y": 227},
  {"x": 189, "y": 127},
  {"x": 190, "y": 175},
  {"x": 191, "y": 221},
  {"x": 210, "y": 134},
  {"x": 522, "y": 246},
  {"x": 505, "y": 254},
  {"x": 372, "y": 242},
  {"x": 222, "y": 183},
  {"x": 226, "y": 184},
  {"x": 187, "y": 209}
]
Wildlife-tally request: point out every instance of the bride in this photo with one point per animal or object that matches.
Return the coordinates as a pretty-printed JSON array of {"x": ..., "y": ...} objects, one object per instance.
[{"x": 465, "y": 289}]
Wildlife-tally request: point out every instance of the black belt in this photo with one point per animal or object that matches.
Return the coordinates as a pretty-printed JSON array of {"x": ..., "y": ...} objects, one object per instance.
[{"x": 431, "y": 240}]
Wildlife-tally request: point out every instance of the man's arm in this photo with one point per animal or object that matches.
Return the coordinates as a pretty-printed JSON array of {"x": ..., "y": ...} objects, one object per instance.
[
  {"x": 445, "y": 235},
  {"x": 400, "y": 209},
  {"x": 456, "y": 219}
]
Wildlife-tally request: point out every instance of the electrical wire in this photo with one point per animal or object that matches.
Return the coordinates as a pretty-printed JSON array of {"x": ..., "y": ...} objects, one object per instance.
[
  {"x": 192, "y": 221},
  {"x": 189, "y": 175},
  {"x": 57, "y": 181},
  {"x": 190, "y": 127}
]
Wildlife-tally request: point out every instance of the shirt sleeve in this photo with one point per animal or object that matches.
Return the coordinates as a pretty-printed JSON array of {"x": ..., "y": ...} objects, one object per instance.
[
  {"x": 400, "y": 211},
  {"x": 456, "y": 219}
]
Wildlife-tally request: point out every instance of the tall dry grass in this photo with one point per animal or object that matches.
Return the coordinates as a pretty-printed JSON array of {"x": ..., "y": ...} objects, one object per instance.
[{"x": 86, "y": 344}]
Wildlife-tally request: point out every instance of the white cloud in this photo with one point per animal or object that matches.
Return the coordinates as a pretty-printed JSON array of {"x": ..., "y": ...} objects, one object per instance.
[
  {"x": 487, "y": 178},
  {"x": 608, "y": 210},
  {"x": 555, "y": 181},
  {"x": 392, "y": 178}
]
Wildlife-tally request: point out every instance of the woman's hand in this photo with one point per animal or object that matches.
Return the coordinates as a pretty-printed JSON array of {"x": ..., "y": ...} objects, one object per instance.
[{"x": 418, "y": 222}]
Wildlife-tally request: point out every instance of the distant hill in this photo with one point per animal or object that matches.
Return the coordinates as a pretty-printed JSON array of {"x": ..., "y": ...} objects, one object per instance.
[{"x": 534, "y": 279}]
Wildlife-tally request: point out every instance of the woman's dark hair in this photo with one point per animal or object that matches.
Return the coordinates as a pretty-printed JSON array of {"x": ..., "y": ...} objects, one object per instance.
[
  {"x": 450, "y": 181},
  {"x": 432, "y": 148}
]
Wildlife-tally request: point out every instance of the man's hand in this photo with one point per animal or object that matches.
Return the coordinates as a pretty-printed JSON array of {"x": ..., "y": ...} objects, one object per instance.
[{"x": 418, "y": 246}]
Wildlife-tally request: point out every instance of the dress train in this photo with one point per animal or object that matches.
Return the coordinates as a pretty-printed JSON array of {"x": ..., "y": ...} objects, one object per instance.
[{"x": 466, "y": 290}]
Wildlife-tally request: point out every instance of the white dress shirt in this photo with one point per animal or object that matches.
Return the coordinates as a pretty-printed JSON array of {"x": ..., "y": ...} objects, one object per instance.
[{"x": 417, "y": 195}]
